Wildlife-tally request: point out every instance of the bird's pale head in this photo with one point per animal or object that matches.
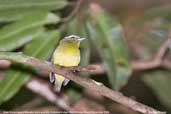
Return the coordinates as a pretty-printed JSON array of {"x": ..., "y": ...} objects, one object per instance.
[{"x": 74, "y": 39}]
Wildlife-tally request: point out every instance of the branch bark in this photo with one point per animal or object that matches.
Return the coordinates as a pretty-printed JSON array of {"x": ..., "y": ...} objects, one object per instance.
[
  {"x": 158, "y": 60},
  {"x": 87, "y": 83},
  {"x": 43, "y": 89}
]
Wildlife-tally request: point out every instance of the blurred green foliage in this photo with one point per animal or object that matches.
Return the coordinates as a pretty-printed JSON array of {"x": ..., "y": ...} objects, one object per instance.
[
  {"x": 15, "y": 9},
  {"x": 26, "y": 29},
  {"x": 107, "y": 35},
  {"x": 14, "y": 79}
]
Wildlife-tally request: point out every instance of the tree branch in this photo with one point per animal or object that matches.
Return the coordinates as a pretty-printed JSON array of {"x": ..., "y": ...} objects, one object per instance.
[
  {"x": 163, "y": 48},
  {"x": 73, "y": 13},
  {"x": 87, "y": 83},
  {"x": 158, "y": 60},
  {"x": 43, "y": 89}
]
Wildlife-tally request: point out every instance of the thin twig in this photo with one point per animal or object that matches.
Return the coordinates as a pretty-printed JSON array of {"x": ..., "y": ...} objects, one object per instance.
[
  {"x": 85, "y": 82},
  {"x": 163, "y": 48},
  {"x": 73, "y": 13},
  {"x": 4, "y": 64},
  {"x": 41, "y": 88},
  {"x": 158, "y": 60},
  {"x": 148, "y": 65}
]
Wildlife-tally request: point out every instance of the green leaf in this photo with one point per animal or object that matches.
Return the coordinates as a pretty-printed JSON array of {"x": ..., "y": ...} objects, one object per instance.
[
  {"x": 23, "y": 31},
  {"x": 41, "y": 47},
  {"x": 108, "y": 37},
  {"x": 105, "y": 53},
  {"x": 15, "y": 9},
  {"x": 160, "y": 82},
  {"x": 121, "y": 55}
]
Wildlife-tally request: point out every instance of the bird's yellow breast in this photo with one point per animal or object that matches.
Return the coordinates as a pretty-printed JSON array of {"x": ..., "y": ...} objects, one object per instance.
[{"x": 67, "y": 54}]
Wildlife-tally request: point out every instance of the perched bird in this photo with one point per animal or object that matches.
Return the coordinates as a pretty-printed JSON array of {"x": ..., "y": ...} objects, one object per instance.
[{"x": 67, "y": 54}]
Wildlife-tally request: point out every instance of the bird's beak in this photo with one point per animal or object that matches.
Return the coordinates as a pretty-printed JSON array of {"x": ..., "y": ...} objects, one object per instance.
[{"x": 81, "y": 39}]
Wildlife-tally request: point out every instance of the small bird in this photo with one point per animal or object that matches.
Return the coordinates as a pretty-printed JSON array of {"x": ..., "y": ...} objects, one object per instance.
[{"x": 67, "y": 54}]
